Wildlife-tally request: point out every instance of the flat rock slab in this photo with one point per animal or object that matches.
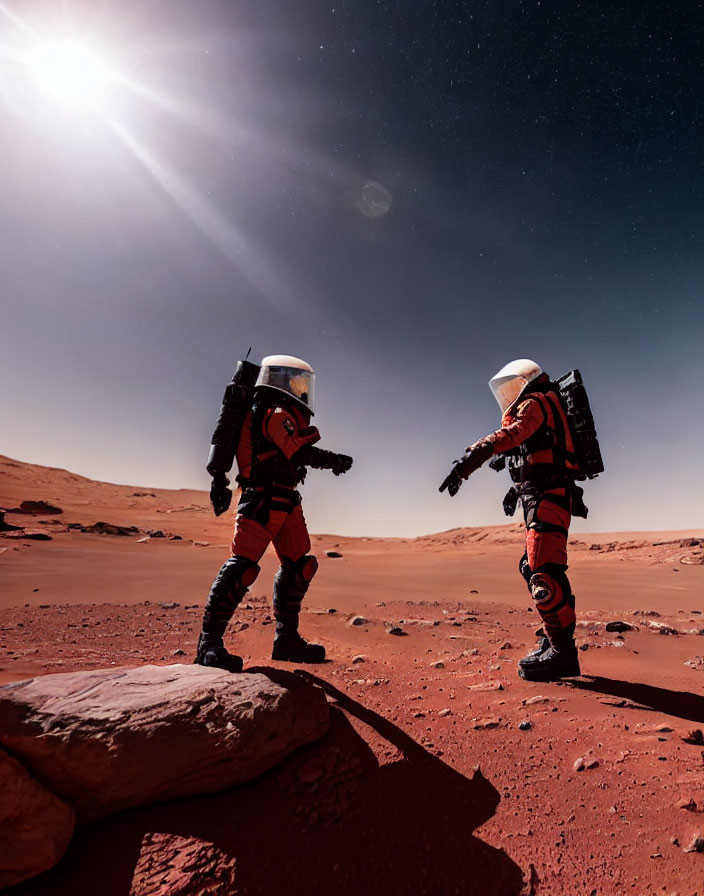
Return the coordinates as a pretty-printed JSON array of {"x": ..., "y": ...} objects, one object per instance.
[
  {"x": 114, "y": 738},
  {"x": 35, "y": 826}
]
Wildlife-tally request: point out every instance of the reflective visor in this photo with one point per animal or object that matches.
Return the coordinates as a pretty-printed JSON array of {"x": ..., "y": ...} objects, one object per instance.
[
  {"x": 506, "y": 389},
  {"x": 300, "y": 384}
]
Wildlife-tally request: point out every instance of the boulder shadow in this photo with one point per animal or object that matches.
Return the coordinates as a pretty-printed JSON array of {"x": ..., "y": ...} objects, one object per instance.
[
  {"x": 329, "y": 819},
  {"x": 682, "y": 704}
]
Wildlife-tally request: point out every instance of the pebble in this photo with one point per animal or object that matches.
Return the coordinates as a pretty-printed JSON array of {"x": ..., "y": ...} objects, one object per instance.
[
  {"x": 484, "y": 724},
  {"x": 618, "y": 626},
  {"x": 178, "y": 652},
  {"x": 687, "y": 803},
  {"x": 360, "y": 658},
  {"x": 526, "y": 725},
  {"x": 445, "y": 712},
  {"x": 695, "y": 736},
  {"x": 531, "y": 701},
  {"x": 333, "y": 554},
  {"x": 487, "y": 686},
  {"x": 395, "y": 630},
  {"x": 579, "y": 765},
  {"x": 697, "y": 844},
  {"x": 358, "y": 620},
  {"x": 438, "y": 664}
]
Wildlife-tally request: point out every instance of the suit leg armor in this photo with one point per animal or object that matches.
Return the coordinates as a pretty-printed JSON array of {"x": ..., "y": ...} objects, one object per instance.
[
  {"x": 229, "y": 587},
  {"x": 290, "y": 585}
]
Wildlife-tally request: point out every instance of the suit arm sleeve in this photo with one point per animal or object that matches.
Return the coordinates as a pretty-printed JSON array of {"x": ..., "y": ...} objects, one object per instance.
[
  {"x": 281, "y": 428},
  {"x": 527, "y": 421}
]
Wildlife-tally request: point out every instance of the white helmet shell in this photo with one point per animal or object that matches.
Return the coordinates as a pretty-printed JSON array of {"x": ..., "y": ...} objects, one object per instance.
[
  {"x": 291, "y": 376},
  {"x": 508, "y": 384}
]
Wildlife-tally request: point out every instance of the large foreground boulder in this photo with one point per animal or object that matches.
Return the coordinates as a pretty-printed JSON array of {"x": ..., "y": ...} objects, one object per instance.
[
  {"x": 35, "y": 826},
  {"x": 114, "y": 738}
]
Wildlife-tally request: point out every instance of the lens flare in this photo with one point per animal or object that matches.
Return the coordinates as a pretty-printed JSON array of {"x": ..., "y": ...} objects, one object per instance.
[{"x": 72, "y": 73}]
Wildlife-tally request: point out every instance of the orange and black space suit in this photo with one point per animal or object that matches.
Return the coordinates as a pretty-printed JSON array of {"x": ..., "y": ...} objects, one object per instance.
[
  {"x": 276, "y": 445},
  {"x": 535, "y": 439},
  {"x": 535, "y": 436}
]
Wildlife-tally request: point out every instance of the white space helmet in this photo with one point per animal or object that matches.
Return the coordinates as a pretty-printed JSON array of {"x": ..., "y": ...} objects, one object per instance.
[
  {"x": 512, "y": 379},
  {"x": 292, "y": 376}
]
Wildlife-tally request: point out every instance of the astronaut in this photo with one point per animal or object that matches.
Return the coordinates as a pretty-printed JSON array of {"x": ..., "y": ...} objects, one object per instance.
[
  {"x": 275, "y": 444},
  {"x": 537, "y": 440}
]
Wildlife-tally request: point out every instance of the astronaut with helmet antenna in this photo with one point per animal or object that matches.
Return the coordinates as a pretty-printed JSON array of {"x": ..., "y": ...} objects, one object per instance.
[{"x": 265, "y": 423}]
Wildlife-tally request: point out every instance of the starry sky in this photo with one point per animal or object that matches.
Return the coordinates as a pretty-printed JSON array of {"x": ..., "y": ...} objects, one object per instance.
[{"x": 406, "y": 194}]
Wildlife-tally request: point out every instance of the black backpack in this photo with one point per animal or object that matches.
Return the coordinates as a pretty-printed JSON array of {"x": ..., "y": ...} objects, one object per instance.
[
  {"x": 575, "y": 403},
  {"x": 239, "y": 394}
]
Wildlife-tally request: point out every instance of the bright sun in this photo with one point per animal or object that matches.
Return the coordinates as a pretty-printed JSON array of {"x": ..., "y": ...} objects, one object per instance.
[{"x": 72, "y": 73}]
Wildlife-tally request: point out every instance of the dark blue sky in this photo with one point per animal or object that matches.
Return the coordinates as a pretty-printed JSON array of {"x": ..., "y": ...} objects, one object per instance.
[{"x": 408, "y": 195}]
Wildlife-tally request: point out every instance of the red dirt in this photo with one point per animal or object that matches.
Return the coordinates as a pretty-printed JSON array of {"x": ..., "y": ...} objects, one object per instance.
[{"x": 398, "y": 807}]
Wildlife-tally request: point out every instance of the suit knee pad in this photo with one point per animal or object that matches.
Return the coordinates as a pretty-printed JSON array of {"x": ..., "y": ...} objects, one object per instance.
[{"x": 235, "y": 577}]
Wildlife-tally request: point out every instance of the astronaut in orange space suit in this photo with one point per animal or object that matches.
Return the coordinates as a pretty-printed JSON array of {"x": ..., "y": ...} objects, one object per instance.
[
  {"x": 275, "y": 445},
  {"x": 536, "y": 438}
]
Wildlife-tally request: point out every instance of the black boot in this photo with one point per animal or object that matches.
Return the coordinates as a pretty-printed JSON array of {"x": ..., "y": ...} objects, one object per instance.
[
  {"x": 290, "y": 585},
  {"x": 560, "y": 660},
  {"x": 216, "y": 655},
  {"x": 540, "y": 647},
  {"x": 228, "y": 589},
  {"x": 290, "y": 647}
]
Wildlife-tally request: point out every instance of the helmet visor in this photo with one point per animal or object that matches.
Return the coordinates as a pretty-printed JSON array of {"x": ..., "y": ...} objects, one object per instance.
[
  {"x": 506, "y": 389},
  {"x": 300, "y": 384}
]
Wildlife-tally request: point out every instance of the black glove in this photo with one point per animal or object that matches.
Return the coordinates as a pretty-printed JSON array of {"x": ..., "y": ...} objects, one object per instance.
[
  {"x": 498, "y": 463},
  {"x": 453, "y": 481},
  {"x": 320, "y": 459},
  {"x": 220, "y": 494},
  {"x": 341, "y": 464},
  {"x": 511, "y": 501},
  {"x": 466, "y": 465}
]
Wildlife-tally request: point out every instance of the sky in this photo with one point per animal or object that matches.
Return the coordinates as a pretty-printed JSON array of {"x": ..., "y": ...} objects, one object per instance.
[{"x": 407, "y": 195}]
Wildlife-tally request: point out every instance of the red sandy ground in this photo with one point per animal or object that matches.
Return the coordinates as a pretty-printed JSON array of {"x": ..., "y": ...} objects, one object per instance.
[{"x": 389, "y": 801}]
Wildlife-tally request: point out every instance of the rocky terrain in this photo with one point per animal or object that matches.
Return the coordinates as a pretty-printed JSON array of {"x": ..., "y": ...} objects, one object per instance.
[{"x": 442, "y": 771}]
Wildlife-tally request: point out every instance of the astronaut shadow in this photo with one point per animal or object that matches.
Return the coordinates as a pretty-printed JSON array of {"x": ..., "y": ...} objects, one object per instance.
[
  {"x": 330, "y": 818},
  {"x": 682, "y": 704}
]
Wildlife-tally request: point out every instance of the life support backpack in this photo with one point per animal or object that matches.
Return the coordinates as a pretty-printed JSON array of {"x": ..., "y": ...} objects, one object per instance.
[
  {"x": 575, "y": 403},
  {"x": 237, "y": 401}
]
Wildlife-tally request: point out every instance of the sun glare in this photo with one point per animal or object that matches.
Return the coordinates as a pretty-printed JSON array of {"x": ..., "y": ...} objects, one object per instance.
[{"x": 72, "y": 73}]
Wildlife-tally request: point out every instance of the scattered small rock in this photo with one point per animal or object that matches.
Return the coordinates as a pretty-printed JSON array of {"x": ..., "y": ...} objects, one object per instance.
[
  {"x": 142, "y": 540},
  {"x": 687, "y": 803},
  {"x": 334, "y": 555},
  {"x": 695, "y": 736},
  {"x": 35, "y": 508},
  {"x": 360, "y": 658},
  {"x": 103, "y": 528},
  {"x": 156, "y": 533},
  {"x": 697, "y": 844},
  {"x": 169, "y": 605},
  {"x": 487, "y": 686},
  {"x": 358, "y": 620},
  {"x": 531, "y": 701},
  {"x": 579, "y": 764},
  {"x": 525, "y": 725},
  {"x": 438, "y": 664},
  {"x": 618, "y": 626},
  {"x": 485, "y": 724},
  {"x": 395, "y": 630},
  {"x": 444, "y": 713},
  {"x": 201, "y": 544},
  {"x": 178, "y": 652}
]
